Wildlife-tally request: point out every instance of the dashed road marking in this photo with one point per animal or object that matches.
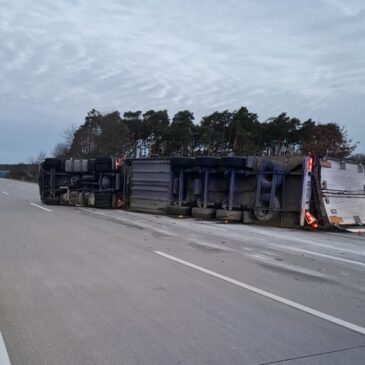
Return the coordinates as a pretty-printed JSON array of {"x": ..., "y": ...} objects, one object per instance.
[
  {"x": 290, "y": 303},
  {"x": 40, "y": 207},
  {"x": 5, "y": 193}
]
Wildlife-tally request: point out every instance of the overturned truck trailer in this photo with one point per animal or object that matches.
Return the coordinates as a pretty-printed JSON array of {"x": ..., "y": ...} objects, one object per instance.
[{"x": 295, "y": 191}]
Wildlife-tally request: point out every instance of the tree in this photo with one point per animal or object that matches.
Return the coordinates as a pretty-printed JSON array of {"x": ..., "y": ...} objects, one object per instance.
[
  {"x": 305, "y": 132},
  {"x": 199, "y": 146},
  {"x": 134, "y": 124},
  {"x": 61, "y": 150},
  {"x": 32, "y": 168},
  {"x": 358, "y": 157},
  {"x": 38, "y": 159},
  {"x": 113, "y": 135},
  {"x": 245, "y": 133},
  {"x": 281, "y": 135},
  {"x": 154, "y": 131},
  {"x": 216, "y": 132},
  {"x": 84, "y": 143},
  {"x": 220, "y": 133},
  {"x": 179, "y": 137},
  {"x": 328, "y": 139}
]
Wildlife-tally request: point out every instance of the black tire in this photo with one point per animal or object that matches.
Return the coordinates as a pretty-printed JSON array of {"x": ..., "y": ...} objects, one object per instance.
[
  {"x": 83, "y": 199},
  {"x": 178, "y": 210},
  {"x": 246, "y": 217},
  {"x": 103, "y": 168},
  {"x": 103, "y": 164},
  {"x": 203, "y": 213},
  {"x": 51, "y": 201},
  {"x": 103, "y": 205},
  {"x": 229, "y": 215},
  {"x": 268, "y": 168},
  {"x": 103, "y": 196},
  {"x": 62, "y": 165},
  {"x": 182, "y": 161},
  {"x": 103, "y": 160},
  {"x": 91, "y": 200},
  {"x": 51, "y": 163},
  {"x": 207, "y": 161},
  {"x": 91, "y": 165},
  {"x": 262, "y": 212},
  {"x": 237, "y": 162},
  {"x": 103, "y": 200}
]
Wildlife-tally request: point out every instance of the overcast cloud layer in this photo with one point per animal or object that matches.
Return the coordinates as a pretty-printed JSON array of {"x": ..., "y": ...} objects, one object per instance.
[{"x": 59, "y": 59}]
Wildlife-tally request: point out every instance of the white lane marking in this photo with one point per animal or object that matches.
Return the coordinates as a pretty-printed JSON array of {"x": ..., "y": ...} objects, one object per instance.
[
  {"x": 4, "y": 357},
  {"x": 321, "y": 255},
  {"x": 39, "y": 206},
  {"x": 303, "y": 308},
  {"x": 4, "y": 192}
]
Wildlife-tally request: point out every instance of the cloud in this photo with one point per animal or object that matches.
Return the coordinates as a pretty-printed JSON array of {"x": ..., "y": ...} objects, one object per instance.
[{"x": 60, "y": 59}]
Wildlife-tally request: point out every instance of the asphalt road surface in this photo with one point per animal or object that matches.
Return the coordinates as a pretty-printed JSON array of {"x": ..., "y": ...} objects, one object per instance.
[{"x": 87, "y": 286}]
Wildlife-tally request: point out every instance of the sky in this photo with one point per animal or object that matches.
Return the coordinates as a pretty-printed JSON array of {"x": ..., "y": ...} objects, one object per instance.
[{"x": 60, "y": 59}]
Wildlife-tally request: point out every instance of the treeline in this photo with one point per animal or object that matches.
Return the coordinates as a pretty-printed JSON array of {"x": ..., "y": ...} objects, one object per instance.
[
  {"x": 22, "y": 171},
  {"x": 153, "y": 134}
]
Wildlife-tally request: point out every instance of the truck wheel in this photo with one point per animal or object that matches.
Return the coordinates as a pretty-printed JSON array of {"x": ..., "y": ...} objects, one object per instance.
[
  {"x": 51, "y": 201},
  {"x": 182, "y": 161},
  {"x": 237, "y": 162},
  {"x": 262, "y": 212},
  {"x": 103, "y": 205},
  {"x": 83, "y": 199},
  {"x": 207, "y": 161},
  {"x": 62, "y": 165},
  {"x": 91, "y": 200},
  {"x": 91, "y": 165},
  {"x": 103, "y": 200},
  {"x": 178, "y": 210},
  {"x": 73, "y": 198},
  {"x": 103, "y": 164},
  {"x": 203, "y": 213},
  {"x": 114, "y": 201},
  {"x": 229, "y": 215},
  {"x": 51, "y": 163},
  {"x": 268, "y": 168}
]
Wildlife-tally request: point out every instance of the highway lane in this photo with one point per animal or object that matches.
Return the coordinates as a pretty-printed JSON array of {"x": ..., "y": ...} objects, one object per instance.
[{"x": 82, "y": 286}]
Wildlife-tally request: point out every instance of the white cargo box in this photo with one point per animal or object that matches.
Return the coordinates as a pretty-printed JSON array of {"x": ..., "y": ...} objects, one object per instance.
[{"x": 343, "y": 192}]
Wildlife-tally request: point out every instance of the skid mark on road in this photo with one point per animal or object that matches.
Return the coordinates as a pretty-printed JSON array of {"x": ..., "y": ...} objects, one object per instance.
[
  {"x": 163, "y": 232},
  {"x": 303, "y": 308}
]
